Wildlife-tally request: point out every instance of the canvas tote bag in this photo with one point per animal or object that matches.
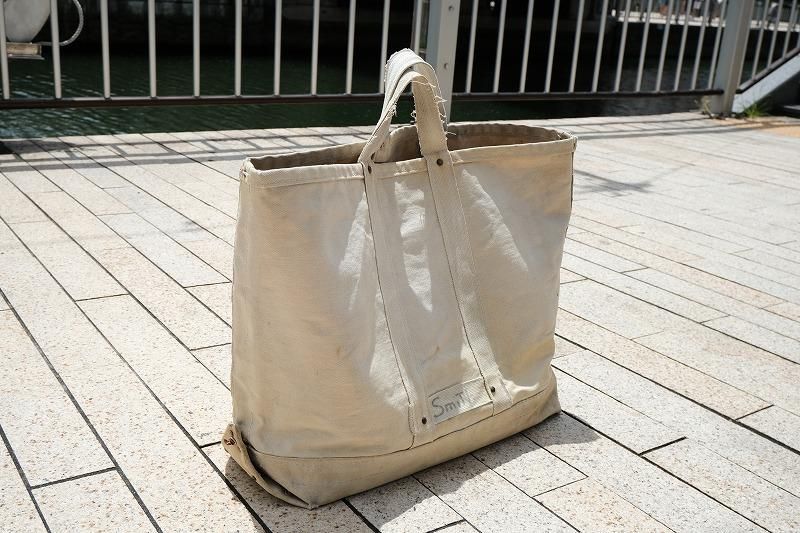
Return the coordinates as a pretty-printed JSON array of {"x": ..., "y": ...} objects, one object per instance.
[{"x": 394, "y": 301}]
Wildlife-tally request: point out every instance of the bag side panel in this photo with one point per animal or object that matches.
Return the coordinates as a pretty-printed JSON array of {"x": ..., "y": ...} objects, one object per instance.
[
  {"x": 314, "y": 371},
  {"x": 517, "y": 211}
]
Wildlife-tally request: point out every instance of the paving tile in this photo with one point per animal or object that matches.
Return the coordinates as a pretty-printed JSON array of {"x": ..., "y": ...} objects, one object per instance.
[
  {"x": 734, "y": 442},
  {"x": 589, "y": 506},
  {"x": 49, "y": 437},
  {"x": 218, "y": 360},
  {"x": 403, "y": 506},
  {"x": 600, "y": 257},
  {"x": 15, "y": 206},
  {"x": 180, "y": 264},
  {"x": 683, "y": 379},
  {"x": 568, "y": 277},
  {"x": 72, "y": 267},
  {"x": 198, "y": 400},
  {"x": 215, "y": 252},
  {"x": 81, "y": 189},
  {"x": 529, "y": 467},
  {"x": 460, "y": 527},
  {"x": 606, "y": 214},
  {"x": 564, "y": 347},
  {"x": 16, "y": 507},
  {"x": 741, "y": 365},
  {"x": 202, "y": 214},
  {"x": 762, "y": 502},
  {"x": 188, "y": 319},
  {"x": 29, "y": 180},
  {"x": 92, "y": 503},
  {"x": 777, "y": 423},
  {"x": 279, "y": 515},
  {"x": 217, "y": 298},
  {"x": 771, "y": 321},
  {"x": 786, "y": 309},
  {"x": 717, "y": 283},
  {"x": 600, "y": 233},
  {"x": 614, "y": 310},
  {"x": 777, "y": 289},
  {"x": 691, "y": 291},
  {"x": 666, "y": 499},
  {"x": 630, "y": 252},
  {"x": 649, "y": 293},
  {"x": 170, "y": 475},
  {"x": 768, "y": 259},
  {"x": 486, "y": 500},
  {"x": 763, "y": 338},
  {"x": 613, "y": 419},
  {"x": 94, "y": 172},
  {"x": 83, "y": 226}
]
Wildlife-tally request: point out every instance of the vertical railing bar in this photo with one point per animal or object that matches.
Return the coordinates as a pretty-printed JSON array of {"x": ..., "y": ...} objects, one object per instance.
[
  {"x": 682, "y": 49},
  {"x": 471, "y": 53},
  {"x": 765, "y": 10},
  {"x": 795, "y": 23},
  {"x": 664, "y": 41},
  {"x": 498, "y": 58},
  {"x": 775, "y": 33},
  {"x": 315, "y": 47},
  {"x": 196, "y": 47},
  {"x": 699, "y": 50},
  {"x": 151, "y": 46},
  {"x": 727, "y": 79},
  {"x": 276, "y": 66},
  {"x": 576, "y": 46},
  {"x": 789, "y": 27},
  {"x": 417, "y": 24},
  {"x": 237, "y": 53},
  {"x": 717, "y": 37},
  {"x": 3, "y": 55},
  {"x": 384, "y": 42},
  {"x": 598, "y": 55},
  {"x": 523, "y": 76},
  {"x": 622, "y": 39},
  {"x": 54, "y": 38},
  {"x": 351, "y": 32},
  {"x": 553, "y": 32},
  {"x": 104, "y": 48},
  {"x": 643, "y": 52}
]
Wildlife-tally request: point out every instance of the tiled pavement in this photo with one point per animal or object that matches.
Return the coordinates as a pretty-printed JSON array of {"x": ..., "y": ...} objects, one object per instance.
[{"x": 678, "y": 342}]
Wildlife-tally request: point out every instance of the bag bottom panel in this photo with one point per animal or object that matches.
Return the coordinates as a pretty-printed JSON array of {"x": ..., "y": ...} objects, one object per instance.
[{"x": 311, "y": 482}]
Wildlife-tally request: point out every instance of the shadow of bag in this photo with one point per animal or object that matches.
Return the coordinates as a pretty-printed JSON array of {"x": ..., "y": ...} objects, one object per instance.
[{"x": 394, "y": 300}]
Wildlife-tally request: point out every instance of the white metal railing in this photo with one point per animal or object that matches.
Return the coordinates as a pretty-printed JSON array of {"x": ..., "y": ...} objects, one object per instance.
[{"x": 726, "y": 28}]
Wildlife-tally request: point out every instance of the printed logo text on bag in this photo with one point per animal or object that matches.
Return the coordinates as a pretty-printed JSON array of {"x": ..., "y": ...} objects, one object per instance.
[{"x": 457, "y": 399}]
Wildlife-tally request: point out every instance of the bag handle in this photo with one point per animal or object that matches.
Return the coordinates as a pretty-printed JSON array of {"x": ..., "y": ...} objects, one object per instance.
[
  {"x": 404, "y": 68},
  {"x": 397, "y": 65}
]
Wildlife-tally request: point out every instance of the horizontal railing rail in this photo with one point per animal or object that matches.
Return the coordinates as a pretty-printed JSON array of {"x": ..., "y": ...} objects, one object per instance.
[{"x": 609, "y": 49}]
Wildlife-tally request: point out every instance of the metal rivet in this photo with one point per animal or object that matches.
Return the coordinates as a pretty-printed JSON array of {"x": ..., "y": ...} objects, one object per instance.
[
  {"x": 424, "y": 420},
  {"x": 491, "y": 389},
  {"x": 369, "y": 169},
  {"x": 439, "y": 162}
]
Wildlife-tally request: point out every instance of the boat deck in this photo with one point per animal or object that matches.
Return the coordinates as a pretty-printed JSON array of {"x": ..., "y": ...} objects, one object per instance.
[{"x": 678, "y": 342}]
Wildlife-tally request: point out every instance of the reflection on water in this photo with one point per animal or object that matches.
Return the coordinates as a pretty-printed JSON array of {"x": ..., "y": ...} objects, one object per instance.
[{"x": 82, "y": 76}]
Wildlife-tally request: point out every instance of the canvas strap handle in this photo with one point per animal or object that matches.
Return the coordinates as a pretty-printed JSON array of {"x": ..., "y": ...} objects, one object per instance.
[{"x": 403, "y": 69}]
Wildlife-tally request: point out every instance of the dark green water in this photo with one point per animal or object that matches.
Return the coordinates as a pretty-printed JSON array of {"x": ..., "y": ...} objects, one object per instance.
[{"x": 82, "y": 76}]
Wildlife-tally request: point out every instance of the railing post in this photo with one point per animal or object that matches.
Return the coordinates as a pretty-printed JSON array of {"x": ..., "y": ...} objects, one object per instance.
[
  {"x": 731, "y": 55},
  {"x": 440, "y": 49}
]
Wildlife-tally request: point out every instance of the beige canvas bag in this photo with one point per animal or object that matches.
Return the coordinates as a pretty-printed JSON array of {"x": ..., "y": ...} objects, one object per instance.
[{"x": 394, "y": 301}]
